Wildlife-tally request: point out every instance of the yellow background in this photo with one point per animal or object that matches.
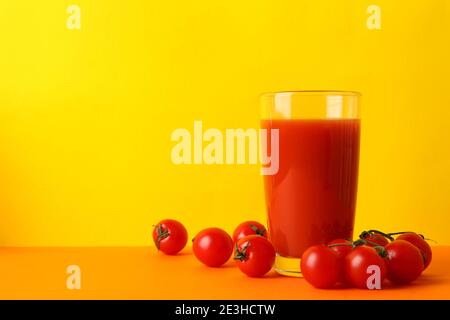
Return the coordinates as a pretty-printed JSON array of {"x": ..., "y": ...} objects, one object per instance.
[{"x": 86, "y": 115}]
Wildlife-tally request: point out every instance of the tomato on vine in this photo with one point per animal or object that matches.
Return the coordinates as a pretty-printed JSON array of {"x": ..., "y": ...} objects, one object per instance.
[
  {"x": 357, "y": 263},
  {"x": 404, "y": 261},
  {"x": 321, "y": 266},
  {"x": 419, "y": 241}
]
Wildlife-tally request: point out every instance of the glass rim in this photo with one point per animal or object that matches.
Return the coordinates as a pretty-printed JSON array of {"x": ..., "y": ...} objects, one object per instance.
[{"x": 314, "y": 93}]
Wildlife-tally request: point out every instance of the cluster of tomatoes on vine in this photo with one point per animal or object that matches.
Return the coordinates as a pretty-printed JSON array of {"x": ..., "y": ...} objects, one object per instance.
[
  {"x": 345, "y": 263},
  {"x": 341, "y": 262},
  {"x": 253, "y": 253}
]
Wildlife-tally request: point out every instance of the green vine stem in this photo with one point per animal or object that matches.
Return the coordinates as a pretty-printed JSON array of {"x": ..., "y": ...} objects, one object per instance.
[
  {"x": 420, "y": 235},
  {"x": 386, "y": 235}
]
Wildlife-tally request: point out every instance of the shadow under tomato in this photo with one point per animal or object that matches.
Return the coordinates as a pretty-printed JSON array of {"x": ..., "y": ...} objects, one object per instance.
[
  {"x": 273, "y": 275},
  {"x": 423, "y": 281},
  {"x": 154, "y": 251},
  {"x": 182, "y": 254},
  {"x": 229, "y": 264}
]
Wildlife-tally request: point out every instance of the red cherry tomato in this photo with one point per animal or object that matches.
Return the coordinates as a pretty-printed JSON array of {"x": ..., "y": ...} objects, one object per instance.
[
  {"x": 248, "y": 228},
  {"x": 357, "y": 263},
  {"x": 213, "y": 247},
  {"x": 170, "y": 236},
  {"x": 321, "y": 267},
  {"x": 404, "y": 261},
  {"x": 374, "y": 239},
  {"x": 420, "y": 243},
  {"x": 342, "y": 247},
  {"x": 254, "y": 255}
]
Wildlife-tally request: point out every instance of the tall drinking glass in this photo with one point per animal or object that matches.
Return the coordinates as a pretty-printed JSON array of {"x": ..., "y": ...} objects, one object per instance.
[{"x": 312, "y": 198}]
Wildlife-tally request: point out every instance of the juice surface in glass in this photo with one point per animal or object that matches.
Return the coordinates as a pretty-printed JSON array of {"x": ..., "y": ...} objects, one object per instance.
[{"x": 312, "y": 198}]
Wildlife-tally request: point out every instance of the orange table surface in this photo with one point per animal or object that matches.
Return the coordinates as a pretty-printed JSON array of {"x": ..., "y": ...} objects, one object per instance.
[{"x": 143, "y": 273}]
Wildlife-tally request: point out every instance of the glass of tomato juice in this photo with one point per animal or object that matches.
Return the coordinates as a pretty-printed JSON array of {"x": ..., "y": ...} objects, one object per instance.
[{"x": 311, "y": 199}]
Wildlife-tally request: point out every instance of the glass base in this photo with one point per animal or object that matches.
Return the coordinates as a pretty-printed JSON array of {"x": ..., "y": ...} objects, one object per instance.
[{"x": 288, "y": 266}]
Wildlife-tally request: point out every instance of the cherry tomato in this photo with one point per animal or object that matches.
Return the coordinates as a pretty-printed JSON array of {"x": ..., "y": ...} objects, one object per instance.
[
  {"x": 357, "y": 263},
  {"x": 213, "y": 247},
  {"x": 374, "y": 237},
  {"x": 404, "y": 261},
  {"x": 170, "y": 236},
  {"x": 248, "y": 228},
  {"x": 342, "y": 247},
  {"x": 254, "y": 255},
  {"x": 321, "y": 267},
  {"x": 420, "y": 243}
]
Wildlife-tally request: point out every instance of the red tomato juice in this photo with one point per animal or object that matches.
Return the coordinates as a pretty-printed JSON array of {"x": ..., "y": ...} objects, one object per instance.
[{"x": 312, "y": 198}]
